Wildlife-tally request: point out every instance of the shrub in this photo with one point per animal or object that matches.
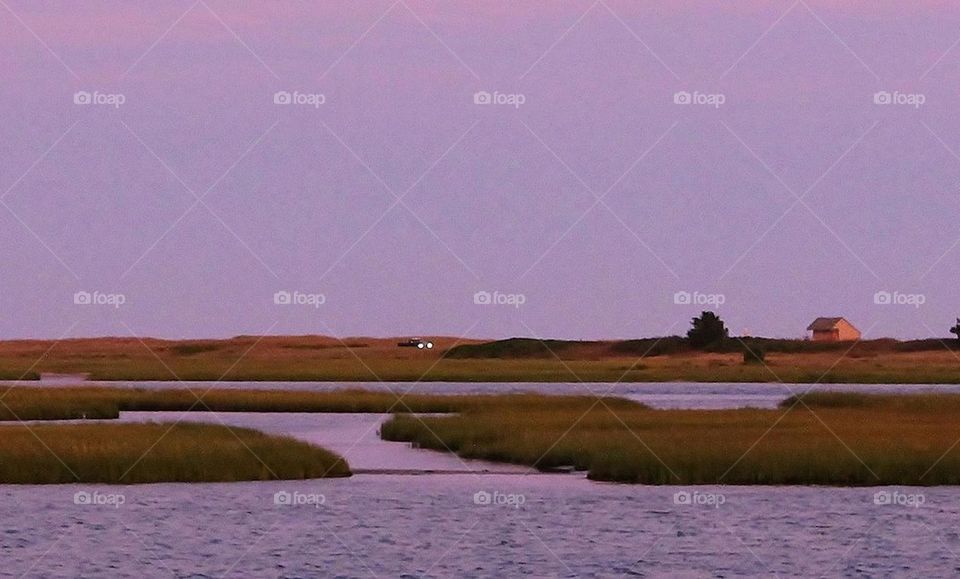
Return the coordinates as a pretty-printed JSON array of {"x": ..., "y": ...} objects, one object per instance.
[
  {"x": 754, "y": 356},
  {"x": 650, "y": 346}
]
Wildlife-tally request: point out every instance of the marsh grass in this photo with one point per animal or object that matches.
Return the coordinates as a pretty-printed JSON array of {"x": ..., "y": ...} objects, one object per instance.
[
  {"x": 103, "y": 452},
  {"x": 920, "y": 403},
  {"x": 191, "y": 348},
  {"x": 822, "y": 438},
  {"x": 149, "y": 453},
  {"x": 56, "y": 403},
  {"x": 835, "y": 439}
]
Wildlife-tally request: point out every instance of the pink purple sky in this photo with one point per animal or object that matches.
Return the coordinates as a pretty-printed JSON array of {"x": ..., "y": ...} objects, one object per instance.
[{"x": 597, "y": 199}]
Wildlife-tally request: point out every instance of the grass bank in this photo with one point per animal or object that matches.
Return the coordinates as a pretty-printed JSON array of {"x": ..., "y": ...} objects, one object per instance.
[
  {"x": 825, "y": 439},
  {"x": 38, "y": 403},
  {"x": 48, "y": 403},
  {"x": 150, "y": 453}
]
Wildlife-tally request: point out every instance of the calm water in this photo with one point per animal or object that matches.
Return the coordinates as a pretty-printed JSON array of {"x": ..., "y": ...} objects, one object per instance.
[
  {"x": 353, "y": 436},
  {"x": 471, "y": 518},
  {"x": 390, "y": 526}
]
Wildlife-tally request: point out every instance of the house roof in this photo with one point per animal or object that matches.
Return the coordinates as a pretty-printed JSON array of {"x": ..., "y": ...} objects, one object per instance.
[{"x": 824, "y": 324}]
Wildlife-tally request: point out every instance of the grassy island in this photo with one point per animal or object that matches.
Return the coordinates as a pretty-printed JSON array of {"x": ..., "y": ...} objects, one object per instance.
[
  {"x": 822, "y": 439},
  {"x": 151, "y": 453}
]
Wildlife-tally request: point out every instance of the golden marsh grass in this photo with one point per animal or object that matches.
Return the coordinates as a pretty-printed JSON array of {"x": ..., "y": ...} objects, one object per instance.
[
  {"x": 150, "y": 453},
  {"x": 827, "y": 439}
]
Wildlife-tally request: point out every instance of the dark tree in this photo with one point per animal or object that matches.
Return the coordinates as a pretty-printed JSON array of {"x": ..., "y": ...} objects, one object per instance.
[
  {"x": 707, "y": 330},
  {"x": 956, "y": 329}
]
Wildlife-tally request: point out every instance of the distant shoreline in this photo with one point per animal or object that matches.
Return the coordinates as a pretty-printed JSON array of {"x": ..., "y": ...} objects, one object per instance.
[{"x": 325, "y": 359}]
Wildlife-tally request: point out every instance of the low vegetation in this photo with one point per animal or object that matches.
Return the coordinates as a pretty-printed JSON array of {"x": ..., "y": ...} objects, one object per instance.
[
  {"x": 149, "y": 453},
  {"x": 754, "y": 356},
  {"x": 828, "y": 439},
  {"x": 521, "y": 348},
  {"x": 31, "y": 403},
  {"x": 831, "y": 438},
  {"x": 48, "y": 403},
  {"x": 315, "y": 358}
]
